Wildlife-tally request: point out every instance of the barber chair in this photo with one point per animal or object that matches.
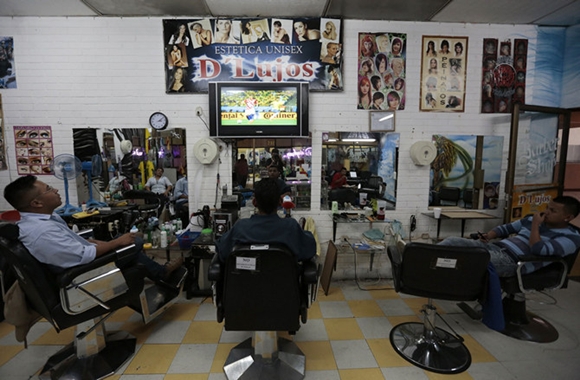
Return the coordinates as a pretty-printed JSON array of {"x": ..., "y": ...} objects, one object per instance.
[
  {"x": 449, "y": 196},
  {"x": 151, "y": 207},
  {"x": 440, "y": 272},
  {"x": 373, "y": 187},
  {"x": 261, "y": 288},
  {"x": 341, "y": 196},
  {"x": 520, "y": 323},
  {"x": 83, "y": 296}
]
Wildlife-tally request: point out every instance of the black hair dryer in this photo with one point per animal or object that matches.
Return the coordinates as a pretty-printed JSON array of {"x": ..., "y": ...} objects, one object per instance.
[{"x": 205, "y": 214}]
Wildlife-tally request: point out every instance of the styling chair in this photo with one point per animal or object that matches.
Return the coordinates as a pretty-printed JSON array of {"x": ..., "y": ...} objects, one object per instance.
[
  {"x": 449, "y": 196},
  {"x": 520, "y": 323},
  {"x": 261, "y": 288},
  {"x": 468, "y": 197},
  {"x": 440, "y": 272},
  {"x": 374, "y": 187},
  {"x": 83, "y": 296},
  {"x": 342, "y": 196}
]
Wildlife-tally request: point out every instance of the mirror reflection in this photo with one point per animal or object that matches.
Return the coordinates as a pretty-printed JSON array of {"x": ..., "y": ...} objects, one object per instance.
[
  {"x": 292, "y": 157},
  {"x": 359, "y": 169}
]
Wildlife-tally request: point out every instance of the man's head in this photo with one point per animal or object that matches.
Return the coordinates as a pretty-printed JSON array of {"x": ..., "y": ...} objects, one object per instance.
[
  {"x": 28, "y": 194},
  {"x": 275, "y": 152},
  {"x": 267, "y": 196},
  {"x": 561, "y": 210},
  {"x": 273, "y": 172},
  {"x": 159, "y": 172}
]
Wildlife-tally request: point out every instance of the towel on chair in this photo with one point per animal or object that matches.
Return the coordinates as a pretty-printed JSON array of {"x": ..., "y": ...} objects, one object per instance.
[{"x": 311, "y": 226}]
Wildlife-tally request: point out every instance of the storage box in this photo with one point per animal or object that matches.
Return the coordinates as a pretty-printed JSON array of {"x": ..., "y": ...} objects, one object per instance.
[{"x": 186, "y": 239}]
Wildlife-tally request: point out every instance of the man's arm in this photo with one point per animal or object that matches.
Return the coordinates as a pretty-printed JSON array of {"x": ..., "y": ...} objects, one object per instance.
[
  {"x": 108, "y": 246},
  {"x": 537, "y": 220}
]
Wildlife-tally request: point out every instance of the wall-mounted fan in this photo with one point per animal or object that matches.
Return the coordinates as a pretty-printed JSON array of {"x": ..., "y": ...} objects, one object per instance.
[
  {"x": 93, "y": 168},
  {"x": 66, "y": 166}
]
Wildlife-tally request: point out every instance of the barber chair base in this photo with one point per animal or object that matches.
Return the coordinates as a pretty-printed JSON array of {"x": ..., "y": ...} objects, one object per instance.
[
  {"x": 66, "y": 365},
  {"x": 536, "y": 330},
  {"x": 288, "y": 363},
  {"x": 438, "y": 352}
]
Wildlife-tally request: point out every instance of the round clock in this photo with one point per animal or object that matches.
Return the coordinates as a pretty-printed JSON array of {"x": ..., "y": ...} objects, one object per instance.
[{"x": 158, "y": 120}]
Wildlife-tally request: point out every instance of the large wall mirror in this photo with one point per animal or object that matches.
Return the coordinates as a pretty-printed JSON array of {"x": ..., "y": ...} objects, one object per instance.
[
  {"x": 252, "y": 157},
  {"x": 370, "y": 161}
]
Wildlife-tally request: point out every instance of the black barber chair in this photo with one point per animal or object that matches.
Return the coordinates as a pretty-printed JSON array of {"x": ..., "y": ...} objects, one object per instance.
[
  {"x": 83, "y": 296},
  {"x": 261, "y": 288},
  {"x": 342, "y": 196},
  {"x": 440, "y": 272},
  {"x": 520, "y": 323}
]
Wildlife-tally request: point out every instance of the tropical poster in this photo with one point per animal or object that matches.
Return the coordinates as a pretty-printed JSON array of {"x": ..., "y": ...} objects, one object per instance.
[
  {"x": 443, "y": 68},
  {"x": 454, "y": 166},
  {"x": 503, "y": 74},
  {"x": 7, "y": 68},
  {"x": 381, "y": 71},
  {"x": 34, "y": 152},
  {"x": 199, "y": 51}
]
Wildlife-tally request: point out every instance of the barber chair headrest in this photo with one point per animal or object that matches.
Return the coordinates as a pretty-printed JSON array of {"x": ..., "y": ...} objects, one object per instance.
[{"x": 9, "y": 231}]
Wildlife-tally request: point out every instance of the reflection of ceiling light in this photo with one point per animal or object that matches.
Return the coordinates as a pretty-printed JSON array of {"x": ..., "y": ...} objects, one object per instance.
[
  {"x": 358, "y": 137},
  {"x": 389, "y": 116}
]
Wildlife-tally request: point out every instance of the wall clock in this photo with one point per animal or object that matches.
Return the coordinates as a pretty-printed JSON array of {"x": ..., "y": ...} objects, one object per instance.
[{"x": 158, "y": 121}]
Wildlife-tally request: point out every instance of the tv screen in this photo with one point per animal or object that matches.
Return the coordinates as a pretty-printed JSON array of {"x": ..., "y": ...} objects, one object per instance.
[{"x": 258, "y": 109}]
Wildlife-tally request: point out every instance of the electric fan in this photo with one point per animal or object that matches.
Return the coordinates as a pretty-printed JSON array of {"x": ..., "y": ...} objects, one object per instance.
[
  {"x": 93, "y": 167},
  {"x": 67, "y": 166}
]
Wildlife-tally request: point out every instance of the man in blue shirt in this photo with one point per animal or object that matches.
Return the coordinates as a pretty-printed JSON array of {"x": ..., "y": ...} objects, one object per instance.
[
  {"x": 267, "y": 227},
  {"x": 49, "y": 239},
  {"x": 543, "y": 234}
]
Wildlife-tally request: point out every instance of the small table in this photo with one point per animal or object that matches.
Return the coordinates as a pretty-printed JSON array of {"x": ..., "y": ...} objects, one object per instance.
[
  {"x": 353, "y": 218},
  {"x": 461, "y": 215}
]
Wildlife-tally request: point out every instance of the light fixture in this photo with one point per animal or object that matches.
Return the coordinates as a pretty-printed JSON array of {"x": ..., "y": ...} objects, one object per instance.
[{"x": 358, "y": 137}]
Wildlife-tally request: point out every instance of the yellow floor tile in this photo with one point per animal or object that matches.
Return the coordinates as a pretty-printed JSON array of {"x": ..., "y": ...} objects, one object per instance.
[
  {"x": 319, "y": 355},
  {"x": 139, "y": 330},
  {"x": 395, "y": 320},
  {"x": 51, "y": 337},
  {"x": 384, "y": 294},
  {"x": 357, "y": 374},
  {"x": 385, "y": 355},
  {"x": 314, "y": 311},
  {"x": 203, "y": 332},
  {"x": 152, "y": 358},
  {"x": 180, "y": 312},
  {"x": 221, "y": 354},
  {"x": 478, "y": 353},
  {"x": 8, "y": 352},
  {"x": 121, "y": 315},
  {"x": 114, "y": 377},
  {"x": 334, "y": 294},
  {"x": 439, "y": 376},
  {"x": 185, "y": 376},
  {"x": 365, "y": 308},
  {"x": 5, "y": 329},
  {"x": 342, "y": 329}
]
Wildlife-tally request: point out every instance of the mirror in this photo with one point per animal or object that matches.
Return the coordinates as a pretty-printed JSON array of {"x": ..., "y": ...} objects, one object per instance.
[
  {"x": 296, "y": 158},
  {"x": 466, "y": 172},
  {"x": 370, "y": 160}
]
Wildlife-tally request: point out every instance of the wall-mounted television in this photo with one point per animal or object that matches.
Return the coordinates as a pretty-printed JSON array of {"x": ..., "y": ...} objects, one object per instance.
[{"x": 248, "y": 109}]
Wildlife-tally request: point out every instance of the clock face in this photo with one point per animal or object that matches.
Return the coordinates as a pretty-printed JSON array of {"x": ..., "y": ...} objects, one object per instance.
[{"x": 158, "y": 120}]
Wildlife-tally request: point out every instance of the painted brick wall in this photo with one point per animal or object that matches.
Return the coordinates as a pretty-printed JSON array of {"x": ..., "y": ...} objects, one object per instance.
[{"x": 108, "y": 73}]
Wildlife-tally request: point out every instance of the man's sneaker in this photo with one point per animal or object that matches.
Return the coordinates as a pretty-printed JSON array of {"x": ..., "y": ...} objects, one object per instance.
[{"x": 172, "y": 266}]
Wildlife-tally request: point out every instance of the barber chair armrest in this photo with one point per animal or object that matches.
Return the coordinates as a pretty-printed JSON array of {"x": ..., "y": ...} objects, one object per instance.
[
  {"x": 215, "y": 270},
  {"x": 310, "y": 270},
  {"x": 86, "y": 234},
  {"x": 538, "y": 280},
  {"x": 396, "y": 257}
]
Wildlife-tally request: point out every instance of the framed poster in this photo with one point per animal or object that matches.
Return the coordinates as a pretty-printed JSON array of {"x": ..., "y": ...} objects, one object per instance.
[
  {"x": 34, "y": 152},
  {"x": 443, "y": 68},
  {"x": 381, "y": 121}
]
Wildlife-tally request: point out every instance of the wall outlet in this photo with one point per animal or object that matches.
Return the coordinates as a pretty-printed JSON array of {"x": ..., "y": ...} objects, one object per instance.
[{"x": 199, "y": 111}]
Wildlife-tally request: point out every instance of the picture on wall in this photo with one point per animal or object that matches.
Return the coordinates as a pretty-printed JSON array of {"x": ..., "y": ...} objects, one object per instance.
[
  {"x": 199, "y": 51},
  {"x": 504, "y": 72},
  {"x": 7, "y": 68},
  {"x": 34, "y": 153},
  {"x": 381, "y": 71},
  {"x": 443, "y": 68},
  {"x": 3, "y": 162}
]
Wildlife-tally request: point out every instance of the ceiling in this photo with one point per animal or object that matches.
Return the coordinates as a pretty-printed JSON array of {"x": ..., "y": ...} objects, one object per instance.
[{"x": 537, "y": 12}]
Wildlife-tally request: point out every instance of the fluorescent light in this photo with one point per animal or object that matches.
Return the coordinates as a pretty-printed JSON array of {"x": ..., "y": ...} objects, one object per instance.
[
  {"x": 390, "y": 116},
  {"x": 358, "y": 137}
]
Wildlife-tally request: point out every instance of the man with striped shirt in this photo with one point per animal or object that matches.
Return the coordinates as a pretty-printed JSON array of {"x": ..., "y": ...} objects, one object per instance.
[{"x": 544, "y": 234}]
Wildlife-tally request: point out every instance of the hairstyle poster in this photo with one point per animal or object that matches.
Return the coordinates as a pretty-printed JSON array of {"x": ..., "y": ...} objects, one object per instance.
[
  {"x": 199, "y": 51},
  {"x": 34, "y": 152},
  {"x": 443, "y": 68},
  {"x": 7, "y": 69},
  {"x": 3, "y": 162},
  {"x": 503, "y": 74},
  {"x": 381, "y": 71}
]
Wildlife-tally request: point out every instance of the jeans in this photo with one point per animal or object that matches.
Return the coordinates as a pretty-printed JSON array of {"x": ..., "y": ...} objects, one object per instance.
[
  {"x": 155, "y": 271},
  {"x": 503, "y": 263}
]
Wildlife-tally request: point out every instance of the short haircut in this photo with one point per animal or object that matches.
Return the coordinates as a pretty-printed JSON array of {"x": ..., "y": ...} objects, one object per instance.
[
  {"x": 17, "y": 192},
  {"x": 267, "y": 195},
  {"x": 571, "y": 204},
  {"x": 277, "y": 23},
  {"x": 378, "y": 95}
]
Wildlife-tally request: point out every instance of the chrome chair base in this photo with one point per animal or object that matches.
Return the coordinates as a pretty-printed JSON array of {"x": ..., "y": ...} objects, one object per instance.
[
  {"x": 537, "y": 330},
  {"x": 65, "y": 364},
  {"x": 287, "y": 363},
  {"x": 433, "y": 350}
]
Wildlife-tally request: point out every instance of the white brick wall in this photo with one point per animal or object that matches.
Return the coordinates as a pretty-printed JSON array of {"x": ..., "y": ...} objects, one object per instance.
[{"x": 108, "y": 73}]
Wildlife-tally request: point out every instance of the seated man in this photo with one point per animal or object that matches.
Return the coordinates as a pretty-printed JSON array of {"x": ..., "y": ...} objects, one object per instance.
[
  {"x": 543, "y": 234},
  {"x": 49, "y": 239},
  {"x": 267, "y": 227},
  {"x": 283, "y": 188},
  {"x": 181, "y": 196}
]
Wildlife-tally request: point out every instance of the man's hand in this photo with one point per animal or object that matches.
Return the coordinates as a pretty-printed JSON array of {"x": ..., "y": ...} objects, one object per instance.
[
  {"x": 126, "y": 239},
  {"x": 538, "y": 219}
]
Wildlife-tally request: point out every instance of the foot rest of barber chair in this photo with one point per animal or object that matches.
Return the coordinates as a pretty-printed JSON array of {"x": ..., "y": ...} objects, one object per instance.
[
  {"x": 94, "y": 356},
  {"x": 265, "y": 357},
  {"x": 158, "y": 297}
]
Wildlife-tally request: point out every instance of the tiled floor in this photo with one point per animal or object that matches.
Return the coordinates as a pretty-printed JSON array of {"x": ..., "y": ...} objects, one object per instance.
[{"x": 346, "y": 337}]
